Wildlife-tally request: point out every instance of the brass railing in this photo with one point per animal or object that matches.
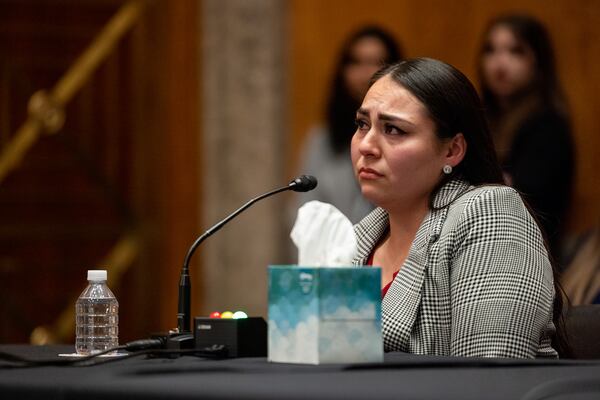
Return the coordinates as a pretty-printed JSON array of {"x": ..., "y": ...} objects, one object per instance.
[
  {"x": 46, "y": 110},
  {"x": 46, "y": 115}
]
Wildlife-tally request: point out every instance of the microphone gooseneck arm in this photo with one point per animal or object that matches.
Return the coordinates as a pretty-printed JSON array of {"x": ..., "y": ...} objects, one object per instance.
[{"x": 303, "y": 183}]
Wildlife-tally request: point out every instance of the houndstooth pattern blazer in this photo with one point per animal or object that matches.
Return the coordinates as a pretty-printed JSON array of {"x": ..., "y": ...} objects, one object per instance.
[{"x": 477, "y": 280}]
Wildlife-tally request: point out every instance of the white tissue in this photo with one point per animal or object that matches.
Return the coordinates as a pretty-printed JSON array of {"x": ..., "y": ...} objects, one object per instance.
[{"x": 323, "y": 236}]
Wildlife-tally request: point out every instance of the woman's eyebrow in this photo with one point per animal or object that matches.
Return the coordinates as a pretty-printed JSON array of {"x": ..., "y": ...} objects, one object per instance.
[
  {"x": 384, "y": 117},
  {"x": 362, "y": 111},
  {"x": 394, "y": 118}
]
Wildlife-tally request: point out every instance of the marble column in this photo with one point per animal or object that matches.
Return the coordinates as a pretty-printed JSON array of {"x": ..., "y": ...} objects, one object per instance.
[{"x": 243, "y": 142}]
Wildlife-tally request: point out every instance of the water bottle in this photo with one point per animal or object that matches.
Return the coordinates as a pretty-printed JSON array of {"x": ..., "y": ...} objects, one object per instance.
[{"x": 97, "y": 316}]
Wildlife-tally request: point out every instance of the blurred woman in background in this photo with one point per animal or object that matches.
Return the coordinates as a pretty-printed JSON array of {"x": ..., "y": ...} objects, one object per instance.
[
  {"x": 327, "y": 152},
  {"x": 528, "y": 118}
]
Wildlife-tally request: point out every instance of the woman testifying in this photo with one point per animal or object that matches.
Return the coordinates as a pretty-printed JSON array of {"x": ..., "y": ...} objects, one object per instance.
[{"x": 465, "y": 270}]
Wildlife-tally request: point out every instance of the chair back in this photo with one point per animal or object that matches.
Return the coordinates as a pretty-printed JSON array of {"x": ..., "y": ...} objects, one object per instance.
[{"x": 582, "y": 326}]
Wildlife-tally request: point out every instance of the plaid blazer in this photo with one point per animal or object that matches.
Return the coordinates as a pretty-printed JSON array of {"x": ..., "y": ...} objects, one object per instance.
[{"x": 477, "y": 280}]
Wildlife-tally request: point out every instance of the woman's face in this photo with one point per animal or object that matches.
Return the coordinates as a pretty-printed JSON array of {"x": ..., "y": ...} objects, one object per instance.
[
  {"x": 397, "y": 157},
  {"x": 508, "y": 65},
  {"x": 366, "y": 56}
]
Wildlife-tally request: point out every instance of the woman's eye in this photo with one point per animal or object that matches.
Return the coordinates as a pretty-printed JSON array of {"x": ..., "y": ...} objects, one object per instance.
[
  {"x": 361, "y": 124},
  {"x": 392, "y": 130}
]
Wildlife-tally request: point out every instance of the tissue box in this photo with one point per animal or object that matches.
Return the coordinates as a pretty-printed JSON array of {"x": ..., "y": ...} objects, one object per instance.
[{"x": 324, "y": 315}]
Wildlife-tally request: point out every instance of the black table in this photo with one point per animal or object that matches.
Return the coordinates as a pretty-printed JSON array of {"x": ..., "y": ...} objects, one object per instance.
[{"x": 401, "y": 376}]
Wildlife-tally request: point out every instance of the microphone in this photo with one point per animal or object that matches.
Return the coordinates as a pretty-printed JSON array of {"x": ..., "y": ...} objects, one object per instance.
[{"x": 303, "y": 183}]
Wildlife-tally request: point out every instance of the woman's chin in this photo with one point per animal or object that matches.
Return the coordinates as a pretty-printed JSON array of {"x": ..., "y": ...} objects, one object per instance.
[{"x": 372, "y": 194}]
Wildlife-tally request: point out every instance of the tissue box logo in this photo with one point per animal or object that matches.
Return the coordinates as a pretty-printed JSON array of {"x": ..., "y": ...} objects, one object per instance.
[
  {"x": 325, "y": 315},
  {"x": 306, "y": 282}
]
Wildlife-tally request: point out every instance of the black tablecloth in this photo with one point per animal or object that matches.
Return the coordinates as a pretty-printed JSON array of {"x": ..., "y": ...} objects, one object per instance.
[{"x": 401, "y": 376}]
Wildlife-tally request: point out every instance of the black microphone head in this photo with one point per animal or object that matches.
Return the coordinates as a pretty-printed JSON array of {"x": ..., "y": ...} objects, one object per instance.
[{"x": 303, "y": 183}]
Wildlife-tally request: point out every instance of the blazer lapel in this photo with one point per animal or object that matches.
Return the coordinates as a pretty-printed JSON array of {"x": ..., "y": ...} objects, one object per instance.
[
  {"x": 368, "y": 233},
  {"x": 400, "y": 306}
]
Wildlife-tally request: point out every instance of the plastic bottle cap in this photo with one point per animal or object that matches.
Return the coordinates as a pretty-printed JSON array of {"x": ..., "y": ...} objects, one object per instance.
[{"x": 97, "y": 275}]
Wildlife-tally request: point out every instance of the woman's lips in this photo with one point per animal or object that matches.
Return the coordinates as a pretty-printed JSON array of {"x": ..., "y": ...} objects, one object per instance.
[{"x": 368, "y": 174}]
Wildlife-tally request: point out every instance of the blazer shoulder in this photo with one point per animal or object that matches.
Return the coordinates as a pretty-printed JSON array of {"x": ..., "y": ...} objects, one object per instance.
[
  {"x": 488, "y": 205},
  {"x": 495, "y": 197}
]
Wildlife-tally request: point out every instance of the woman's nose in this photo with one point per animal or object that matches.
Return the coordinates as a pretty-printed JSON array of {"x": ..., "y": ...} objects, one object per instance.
[
  {"x": 369, "y": 145},
  {"x": 501, "y": 59}
]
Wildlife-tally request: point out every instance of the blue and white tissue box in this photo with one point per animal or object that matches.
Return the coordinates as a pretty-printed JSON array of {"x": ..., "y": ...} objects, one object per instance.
[{"x": 323, "y": 315}]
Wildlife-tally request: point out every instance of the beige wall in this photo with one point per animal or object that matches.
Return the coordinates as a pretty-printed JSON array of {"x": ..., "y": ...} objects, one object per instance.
[{"x": 450, "y": 31}]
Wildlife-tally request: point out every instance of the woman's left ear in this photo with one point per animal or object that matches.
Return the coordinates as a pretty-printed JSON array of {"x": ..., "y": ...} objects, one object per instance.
[{"x": 456, "y": 150}]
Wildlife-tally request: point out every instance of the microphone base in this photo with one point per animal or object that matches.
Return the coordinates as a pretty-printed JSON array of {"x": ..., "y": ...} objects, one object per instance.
[
  {"x": 173, "y": 341},
  {"x": 180, "y": 341},
  {"x": 245, "y": 337}
]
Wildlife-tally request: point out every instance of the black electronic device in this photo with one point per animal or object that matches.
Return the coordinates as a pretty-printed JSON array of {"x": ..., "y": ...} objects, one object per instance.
[{"x": 244, "y": 337}]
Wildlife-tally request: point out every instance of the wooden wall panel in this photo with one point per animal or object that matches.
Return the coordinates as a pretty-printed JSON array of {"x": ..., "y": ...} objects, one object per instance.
[
  {"x": 62, "y": 208},
  {"x": 127, "y": 156},
  {"x": 450, "y": 31}
]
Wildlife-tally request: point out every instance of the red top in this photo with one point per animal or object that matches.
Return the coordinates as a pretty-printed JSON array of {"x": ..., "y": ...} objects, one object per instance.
[{"x": 386, "y": 287}]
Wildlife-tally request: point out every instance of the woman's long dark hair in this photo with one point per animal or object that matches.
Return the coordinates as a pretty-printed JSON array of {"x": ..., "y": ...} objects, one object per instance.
[
  {"x": 453, "y": 104},
  {"x": 342, "y": 106}
]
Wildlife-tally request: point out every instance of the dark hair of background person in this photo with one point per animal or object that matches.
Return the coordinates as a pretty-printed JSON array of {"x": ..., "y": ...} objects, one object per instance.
[
  {"x": 342, "y": 106},
  {"x": 534, "y": 114},
  {"x": 455, "y": 107}
]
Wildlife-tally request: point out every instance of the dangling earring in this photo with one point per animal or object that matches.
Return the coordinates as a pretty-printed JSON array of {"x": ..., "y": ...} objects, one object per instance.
[{"x": 447, "y": 169}]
